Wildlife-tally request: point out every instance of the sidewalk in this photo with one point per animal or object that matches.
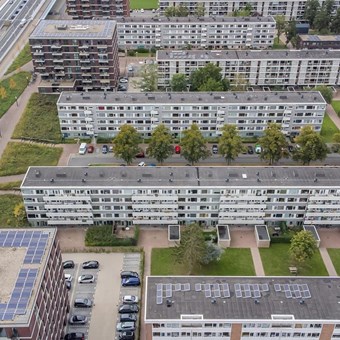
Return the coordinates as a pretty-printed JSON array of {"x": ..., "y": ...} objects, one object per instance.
[
  {"x": 27, "y": 67},
  {"x": 328, "y": 262},
  {"x": 333, "y": 115}
]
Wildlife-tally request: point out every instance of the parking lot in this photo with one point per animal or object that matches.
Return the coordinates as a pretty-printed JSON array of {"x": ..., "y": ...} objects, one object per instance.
[{"x": 105, "y": 293}]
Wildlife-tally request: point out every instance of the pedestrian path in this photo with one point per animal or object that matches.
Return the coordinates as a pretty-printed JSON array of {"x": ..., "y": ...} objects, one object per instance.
[
  {"x": 333, "y": 115},
  {"x": 328, "y": 262},
  {"x": 255, "y": 253}
]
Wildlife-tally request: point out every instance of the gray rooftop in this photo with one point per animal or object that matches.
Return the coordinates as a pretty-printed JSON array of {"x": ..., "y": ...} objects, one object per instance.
[
  {"x": 74, "y": 29},
  {"x": 316, "y": 38},
  {"x": 245, "y": 55},
  {"x": 262, "y": 232},
  {"x": 322, "y": 303},
  {"x": 219, "y": 177},
  {"x": 193, "y": 19},
  {"x": 190, "y": 97}
]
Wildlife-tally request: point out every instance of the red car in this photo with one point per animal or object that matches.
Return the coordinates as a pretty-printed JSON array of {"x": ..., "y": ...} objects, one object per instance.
[
  {"x": 90, "y": 149},
  {"x": 177, "y": 149},
  {"x": 140, "y": 154}
]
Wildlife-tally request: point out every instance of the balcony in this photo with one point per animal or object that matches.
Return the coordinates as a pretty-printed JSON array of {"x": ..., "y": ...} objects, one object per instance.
[
  {"x": 84, "y": 61},
  {"x": 84, "y": 54},
  {"x": 56, "y": 47},
  {"x": 37, "y": 53},
  {"x": 58, "y": 61}
]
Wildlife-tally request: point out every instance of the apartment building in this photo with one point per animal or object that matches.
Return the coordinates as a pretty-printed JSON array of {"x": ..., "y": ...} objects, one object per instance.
[
  {"x": 307, "y": 41},
  {"x": 77, "y": 55},
  {"x": 234, "y": 195},
  {"x": 34, "y": 300},
  {"x": 268, "y": 68},
  {"x": 241, "y": 308},
  {"x": 95, "y": 113},
  {"x": 206, "y": 32},
  {"x": 104, "y": 9},
  {"x": 290, "y": 9}
]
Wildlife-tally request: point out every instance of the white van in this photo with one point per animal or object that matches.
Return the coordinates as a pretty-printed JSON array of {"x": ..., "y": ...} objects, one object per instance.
[{"x": 82, "y": 149}]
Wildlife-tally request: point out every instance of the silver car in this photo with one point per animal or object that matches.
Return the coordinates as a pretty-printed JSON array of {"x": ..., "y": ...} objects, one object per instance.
[{"x": 86, "y": 278}]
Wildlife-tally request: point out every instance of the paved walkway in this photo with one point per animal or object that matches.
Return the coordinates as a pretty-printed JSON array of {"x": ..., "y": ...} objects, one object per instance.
[
  {"x": 328, "y": 262},
  {"x": 333, "y": 115},
  {"x": 27, "y": 67},
  {"x": 255, "y": 253}
]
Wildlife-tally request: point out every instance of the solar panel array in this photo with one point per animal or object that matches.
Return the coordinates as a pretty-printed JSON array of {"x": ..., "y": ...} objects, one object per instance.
[
  {"x": 296, "y": 291},
  {"x": 247, "y": 290},
  {"x": 19, "y": 300},
  {"x": 164, "y": 290},
  {"x": 35, "y": 241}
]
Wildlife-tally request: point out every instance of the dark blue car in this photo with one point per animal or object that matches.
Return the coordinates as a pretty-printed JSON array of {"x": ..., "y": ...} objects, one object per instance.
[{"x": 130, "y": 281}]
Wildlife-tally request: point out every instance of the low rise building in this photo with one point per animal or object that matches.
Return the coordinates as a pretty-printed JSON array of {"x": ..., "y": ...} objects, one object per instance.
[
  {"x": 88, "y": 114},
  {"x": 308, "y": 41},
  {"x": 77, "y": 55},
  {"x": 241, "y": 308},
  {"x": 235, "y": 195},
  {"x": 192, "y": 32},
  {"x": 263, "y": 68},
  {"x": 34, "y": 299}
]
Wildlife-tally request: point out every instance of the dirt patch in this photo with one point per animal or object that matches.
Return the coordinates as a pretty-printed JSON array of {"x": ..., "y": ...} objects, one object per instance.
[
  {"x": 71, "y": 238},
  {"x": 242, "y": 238},
  {"x": 330, "y": 238}
]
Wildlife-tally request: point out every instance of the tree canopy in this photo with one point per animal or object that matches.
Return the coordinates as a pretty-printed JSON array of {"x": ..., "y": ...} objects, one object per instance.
[
  {"x": 230, "y": 143},
  {"x": 311, "y": 9},
  {"x": 193, "y": 145},
  {"x": 273, "y": 143},
  {"x": 126, "y": 143},
  {"x": 311, "y": 147},
  {"x": 200, "y": 10},
  {"x": 149, "y": 81},
  {"x": 179, "y": 82},
  {"x": 160, "y": 146},
  {"x": 176, "y": 11},
  {"x": 280, "y": 25},
  {"x": 302, "y": 247}
]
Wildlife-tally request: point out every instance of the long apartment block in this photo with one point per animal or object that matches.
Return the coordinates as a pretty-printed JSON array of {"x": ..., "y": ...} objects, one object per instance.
[
  {"x": 164, "y": 195},
  {"x": 291, "y": 9},
  {"x": 242, "y": 308},
  {"x": 192, "y": 32},
  {"x": 269, "y": 68},
  {"x": 77, "y": 55},
  {"x": 104, "y": 9},
  {"x": 96, "y": 113}
]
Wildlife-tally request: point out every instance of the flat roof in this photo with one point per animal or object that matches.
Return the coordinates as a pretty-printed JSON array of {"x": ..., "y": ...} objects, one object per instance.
[
  {"x": 311, "y": 37},
  {"x": 194, "y": 19},
  {"x": 233, "y": 298},
  {"x": 247, "y": 55},
  {"x": 23, "y": 258},
  {"x": 112, "y": 98},
  {"x": 181, "y": 176},
  {"x": 74, "y": 29}
]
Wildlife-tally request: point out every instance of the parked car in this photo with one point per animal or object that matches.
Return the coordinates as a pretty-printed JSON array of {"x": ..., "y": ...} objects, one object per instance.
[
  {"x": 140, "y": 154},
  {"x": 90, "y": 149},
  {"x": 77, "y": 320},
  {"x": 130, "y": 299},
  {"x": 128, "y": 317},
  {"x": 141, "y": 164},
  {"x": 86, "y": 278},
  {"x": 90, "y": 264},
  {"x": 68, "y": 285},
  {"x": 125, "y": 326},
  {"x": 125, "y": 274},
  {"x": 105, "y": 149},
  {"x": 68, "y": 264},
  {"x": 128, "y": 309},
  {"x": 111, "y": 148},
  {"x": 130, "y": 281},
  {"x": 122, "y": 88},
  {"x": 82, "y": 303},
  {"x": 258, "y": 148},
  {"x": 123, "y": 80},
  {"x": 214, "y": 149},
  {"x": 177, "y": 149},
  {"x": 128, "y": 335},
  {"x": 250, "y": 150},
  {"x": 75, "y": 336},
  {"x": 68, "y": 277}
]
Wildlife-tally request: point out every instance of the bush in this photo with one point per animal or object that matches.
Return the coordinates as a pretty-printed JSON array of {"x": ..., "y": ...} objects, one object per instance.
[
  {"x": 104, "y": 140},
  {"x": 281, "y": 239},
  {"x": 210, "y": 236},
  {"x": 102, "y": 236}
]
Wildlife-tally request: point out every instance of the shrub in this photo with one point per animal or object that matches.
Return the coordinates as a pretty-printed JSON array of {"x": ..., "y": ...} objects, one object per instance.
[
  {"x": 281, "y": 239},
  {"x": 210, "y": 236}
]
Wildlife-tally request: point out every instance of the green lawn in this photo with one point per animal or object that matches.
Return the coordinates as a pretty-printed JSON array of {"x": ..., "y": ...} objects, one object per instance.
[
  {"x": 17, "y": 157},
  {"x": 278, "y": 45},
  {"x": 23, "y": 58},
  {"x": 7, "y": 204},
  {"x": 8, "y": 94},
  {"x": 328, "y": 129},
  {"x": 336, "y": 106},
  {"x": 40, "y": 119},
  {"x": 335, "y": 256},
  {"x": 234, "y": 262},
  {"x": 276, "y": 261},
  {"x": 10, "y": 185},
  {"x": 145, "y": 4}
]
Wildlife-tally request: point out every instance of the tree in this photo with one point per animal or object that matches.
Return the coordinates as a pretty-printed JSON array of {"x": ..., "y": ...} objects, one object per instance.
[
  {"x": 311, "y": 9},
  {"x": 240, "y": 83},
  {"x": 311, "y": 147},
  {"x": 179, "y": 82},
  {"x": 321, "y": 21},
  {"x": 192, "y": 248},
  {"x": 160, "y": 146},
  {"x": 302, "y": 247},
  {"x": 182, "y": 11},
  {"x": 291, "y": 32},
  {"x": 336, "y": 138},
  {"x": 211, "y": 71},
  {"x": 335, "y": 24},
  {"x": 244, "y": 12},
  {"x": 200, "y": 10},
  {"x": 212, "y": 85},
  {"x": 149, "y": 81},
  {"x": 3, "y": 93},
  {"x": 213, "y": 253},
  {"x": 230, "y": 143},
  {"x": 273, "y": 144},
  {"x": 280, "y": 25},
  {"x": 194, "y": 145},
  {"x": 19, "y": 213},
  {"x": 125, "y": 144},
  {"x": 170, "y": 12},
  {"x": 12, "y": 84},
  {"x": 326, "y": 92}
]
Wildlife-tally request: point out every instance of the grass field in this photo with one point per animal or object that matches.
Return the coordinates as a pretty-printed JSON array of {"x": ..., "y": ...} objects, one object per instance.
[
  {"x": 279, "y": 45},
  {"x": 7, "y": 204},
  {"x": 23, "y": 58},
  {"x": 335, "y": 256},
  {"x": 336, "y": 106},
  {"x": 145, "y": 4},
  {"x": 328, "y": 129},
  {"x": 10, "y": 185},
  {"x": 276, "y": 262},
  {"x": 18, "y": 82},
  {"x": 234, "y": 262},
  {"x": 17, "y": 157},
  {"x": 40, "y": 119}
]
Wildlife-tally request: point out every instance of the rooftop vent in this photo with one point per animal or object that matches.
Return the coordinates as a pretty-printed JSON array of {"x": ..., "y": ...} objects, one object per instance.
[
  {"x": 171, "y": 180},
  {"x": 85, "y": 173},
  {"x": 37, "y": 173},
  {"x": 61, "y": 27},
  {"x": 61, "y": 174},
  {"x": 52, "y": 180},
  {"x": 83, "y": 180},
  {"x": 139, "y": 180},
  {"x": 168, "y": 303},
  {"x": 68, "y": 97},
  {"x": 101, "y": 174}
]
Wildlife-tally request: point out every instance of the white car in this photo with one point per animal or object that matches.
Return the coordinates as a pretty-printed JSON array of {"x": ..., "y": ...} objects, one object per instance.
[
  {"x": 68, "y": 277},
  {"x": 123, "y": 80},
  {"x": 130, "y": 299},
  {"x": 86, "y": 278},
  {"x": 142, "y": 164}
]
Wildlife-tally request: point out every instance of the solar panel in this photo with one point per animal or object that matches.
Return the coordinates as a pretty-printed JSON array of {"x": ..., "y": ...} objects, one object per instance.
[
  {"x": 225, "y": 290},
  {"x": 277, "y": 287},
  {"x": 237, "y": 286},
  {"x": 168, "y": 290},
  {"x": 159, "y": 300},
  {"x": 304, "y": 286},
  {"x": 265, "y": 287},
  {"x": 177, "y": 287},
  {"x": 297, "y": 294},
  {"x": 306, "y": 294},
  {"x": 295, "y": 286},
  {"x": 238, "y": 293},
  {"x": 207, "y": 290},
  {"x": 198, "y": 287},
  {"x": 257, "y": 294},
  {"x": 216, "y": 290},
  {"x": 286, "y": 287},
  {"x": 288, "y": 294},
  {"x": 186, "y": 287},
  {"x": 159, "y": 286},
  {"x": 159, "y": 293},
  {"x": 247, "y": 294}
]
